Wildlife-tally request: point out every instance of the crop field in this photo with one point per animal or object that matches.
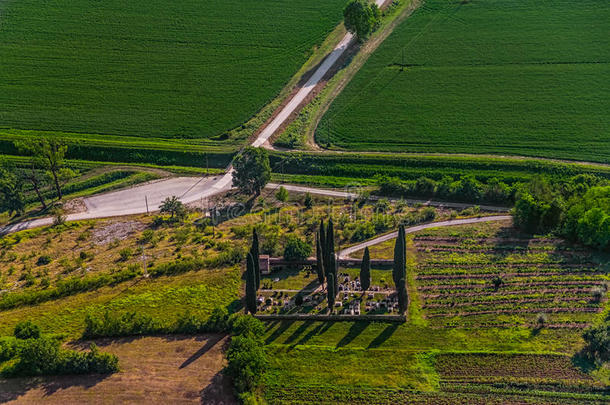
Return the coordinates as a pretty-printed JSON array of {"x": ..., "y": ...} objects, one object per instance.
[
  {"x": 536, "y": 277},
  {"x": 151, "y": 68},
  {"x": 525, "y": 77}
]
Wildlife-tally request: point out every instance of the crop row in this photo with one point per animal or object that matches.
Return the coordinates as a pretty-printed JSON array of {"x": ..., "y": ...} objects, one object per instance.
[{"x": 516, "y": 311}]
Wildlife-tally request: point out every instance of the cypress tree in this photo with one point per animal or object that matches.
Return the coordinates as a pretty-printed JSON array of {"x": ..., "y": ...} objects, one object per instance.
[
  {"x": 330, "y": 290},
  {"x": 319, "y": 263},
  {"x": 250, "y": 285},
  {"x": 399, "y": 268},
  {"x": 403, "y": 298},
  {"x": 254, "y": 250},
  {"x": 331, "y": 265},
  {"x": 322, "y": 234},
  {"x": 365, "y": 270}
]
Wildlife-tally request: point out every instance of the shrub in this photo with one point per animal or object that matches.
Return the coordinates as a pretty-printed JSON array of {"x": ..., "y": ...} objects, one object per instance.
[
  {"x": 282, "y": 194},
  {"x": 541, "y": 320},
  {"x": 126, "y": 324},
  {"x": 26, "y": 330},
  {"x": 125, "y": 254},
  {"x": 43, "y": 260},
  {"x": 296, "y": 248},
  {"x": 298, "y": 300},
  {"x": 597, "y": 343},
  {"x": 246, "y": 355},
  {"x": 308, "y": 201},
  {"x": 43, "y": 356}
]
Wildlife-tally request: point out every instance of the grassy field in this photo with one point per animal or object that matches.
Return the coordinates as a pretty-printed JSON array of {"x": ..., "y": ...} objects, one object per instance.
[
  {"x": 151, "y": 68},
  {"x": 484, "y": 76}
]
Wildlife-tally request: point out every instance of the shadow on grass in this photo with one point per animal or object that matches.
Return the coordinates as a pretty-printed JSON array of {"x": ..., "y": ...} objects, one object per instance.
[
  {"x": 12, "y": 389},
  {"x": 211, "y": 342},
  {"x": 304, "y": 326},
  {"x": 284, "y": 325},
  {"x": 321, "y": 328},
  {"x": 383, "y": 336},
  {"x": 354, "y": 331}
]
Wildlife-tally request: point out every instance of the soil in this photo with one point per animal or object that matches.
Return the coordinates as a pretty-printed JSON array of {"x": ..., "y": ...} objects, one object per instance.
[
  {"x": 154, "y": 370},
  {"x": 116, "y": 231}
]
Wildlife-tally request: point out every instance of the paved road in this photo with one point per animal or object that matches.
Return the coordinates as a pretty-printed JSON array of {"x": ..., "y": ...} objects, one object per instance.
[
  {"x": 355, "y": 194},
  {"x": 348, "y": 251}
]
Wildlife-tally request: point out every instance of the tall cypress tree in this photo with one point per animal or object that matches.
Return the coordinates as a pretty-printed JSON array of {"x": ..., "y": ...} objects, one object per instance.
[
  {"x": 254, "y": 250},
  {"x": 331, "y": 266},
  {"x": 365, "y": 270},
  {"x": 319, "y": 263},
  {"x": 398, "y": 270},
  {"x": 250, "y": 285},
  {"x": 330, "y": 291},
  {"x": 403, "y": 297}
]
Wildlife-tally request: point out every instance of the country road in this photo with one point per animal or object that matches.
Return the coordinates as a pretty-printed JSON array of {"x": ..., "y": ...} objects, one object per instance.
[{"x": 348, "y": 251}]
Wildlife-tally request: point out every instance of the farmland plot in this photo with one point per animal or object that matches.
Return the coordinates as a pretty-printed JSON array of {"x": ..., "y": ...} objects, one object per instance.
[
  {"x": 178, "y": 69},
  {"x": 505, "y": 279},
  {"x": 523, "y": 77}
]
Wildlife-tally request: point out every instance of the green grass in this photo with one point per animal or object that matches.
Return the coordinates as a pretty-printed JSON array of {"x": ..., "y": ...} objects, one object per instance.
[
  {"x": 525, "y": 77},
  {"x": 164, "y": 299},
  {"x": 151, "y": 68}
]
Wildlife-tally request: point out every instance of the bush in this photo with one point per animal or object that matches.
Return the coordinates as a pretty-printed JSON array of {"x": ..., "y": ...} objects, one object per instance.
[
  {"x": 298, "y": 300},
  {"x": 43, "y": 260},
  {"x": 296, "y": 249},
  {"x": 26, "y": 330},
  {"x": 282, "y": 194},
  {"x": 246, "y": 357},
  {"x": 43, "y": 356},
  {"x": 308, "y": 201},
  {"x": 126, "y": 324},
  {"x": 125, "y": 254},
  {"x": 597, "y": 339}
]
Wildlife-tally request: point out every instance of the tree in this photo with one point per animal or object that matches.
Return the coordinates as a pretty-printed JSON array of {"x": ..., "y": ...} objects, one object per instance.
[
  {"x": 597, "y": 342},
  {"x": 282, "y": 194},
  {"x": 33, "y": 176},
  {"x": 403, "y": 297},
  {"x": 172, "y": 205},
  {"x": 255, "y": 251},
  {"x": 331, "y": 262},
  {"x": 251, "y": 170},
  {"x": 308, "y": 201},
  {"x": 322, "y": 233},
  {"x": 49, "y": 154},
  {"x": 319, "y": 263},
  {"x": 250, "y": 285},
  {"x": 361, "y": 18},
  {"x": 330, "y": 291},
  {"x": 296, "y": 248},
  {"x": 11, "y": 192},
  {"x": 365, "y": 270},
  {"x": 399, "y": 267}
]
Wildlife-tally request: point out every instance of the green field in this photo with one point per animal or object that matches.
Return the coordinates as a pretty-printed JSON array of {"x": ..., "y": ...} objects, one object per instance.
[
  {"x": 524, "y": 77},
  {"x": 181, "y": 69}
]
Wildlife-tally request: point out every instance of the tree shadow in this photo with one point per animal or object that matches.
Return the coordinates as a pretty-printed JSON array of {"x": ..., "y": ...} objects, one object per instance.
[
  {"x": 284, "y": 325},
  {"x": 383, "y": 336},
  {"x": 354, "y": 331},
  {"x": 299, "y": 331},
  {"x": 211, "y": 342},
  {"x": 218, "y": 391},
  {"x": 321, "y": 328},
  {"x": 12, "y": 389}
]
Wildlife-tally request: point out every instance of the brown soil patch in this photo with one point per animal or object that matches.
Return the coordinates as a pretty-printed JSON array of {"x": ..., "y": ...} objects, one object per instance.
[
  {"x": 75, "y": 206},
  {"x": 154, "y": 370},
  {"x": 116, "y": 231}
]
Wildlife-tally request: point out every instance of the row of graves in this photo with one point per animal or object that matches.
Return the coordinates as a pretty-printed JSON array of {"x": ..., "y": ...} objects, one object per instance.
[{"x": 351, "y": 299}]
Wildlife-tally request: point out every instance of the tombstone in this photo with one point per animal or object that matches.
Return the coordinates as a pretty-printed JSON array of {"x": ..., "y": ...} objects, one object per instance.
[{"x": 263, "y": 262}]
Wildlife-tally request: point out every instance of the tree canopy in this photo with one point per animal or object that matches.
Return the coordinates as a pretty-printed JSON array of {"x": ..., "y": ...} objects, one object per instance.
[
  {"x": 361, "y": 17},
  {"x": 252, "y": 170}
]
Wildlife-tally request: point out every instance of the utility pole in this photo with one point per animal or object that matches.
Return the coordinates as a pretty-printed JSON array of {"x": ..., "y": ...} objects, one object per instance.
[{"x": 146, "y": 199}]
